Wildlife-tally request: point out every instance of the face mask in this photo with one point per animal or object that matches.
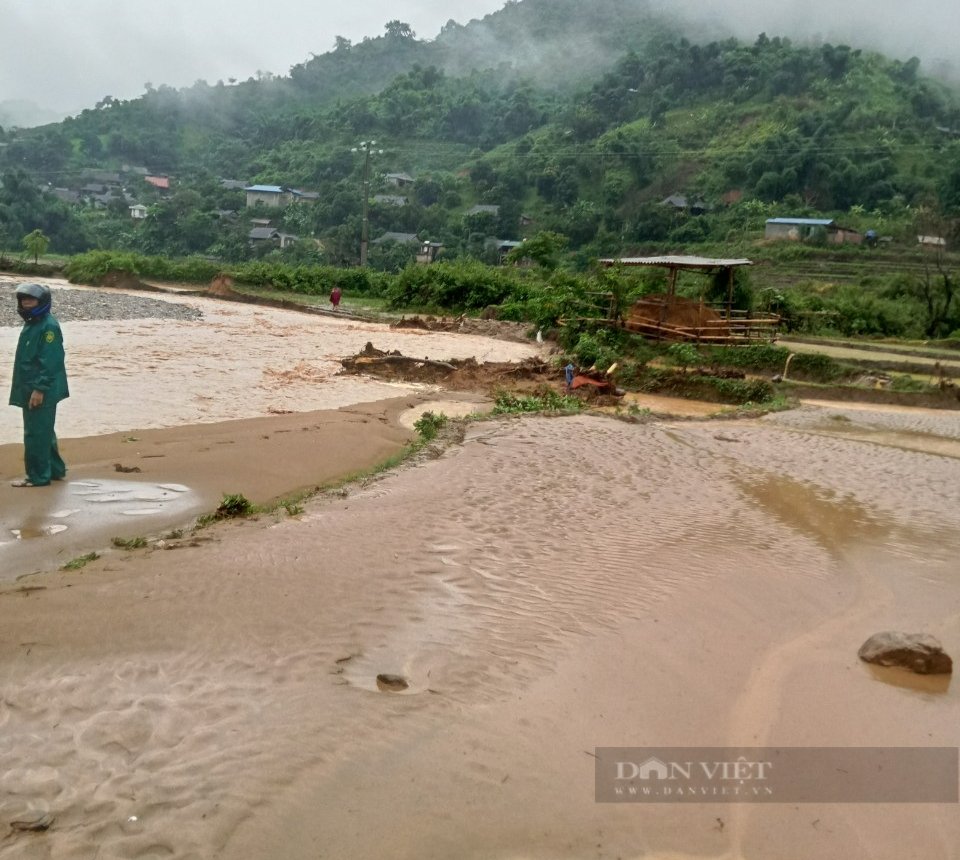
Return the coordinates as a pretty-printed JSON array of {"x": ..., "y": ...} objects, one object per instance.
[{"x": 33, "y": 313}]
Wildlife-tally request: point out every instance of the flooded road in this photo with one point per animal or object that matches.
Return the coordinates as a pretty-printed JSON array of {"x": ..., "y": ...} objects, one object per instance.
[
  {"x": 236, "y": 361},
  {"x": 550, "y": 586},
  {"x": 223, "y": 362}
]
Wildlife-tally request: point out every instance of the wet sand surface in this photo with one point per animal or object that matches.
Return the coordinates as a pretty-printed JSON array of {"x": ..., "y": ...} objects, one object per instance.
[
  {"x": 550, "y": 586},
  {"x": 545, "y": 588}
]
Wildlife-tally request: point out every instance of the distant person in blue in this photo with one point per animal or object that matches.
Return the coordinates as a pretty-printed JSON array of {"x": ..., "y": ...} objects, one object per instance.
[
  {"x": 568, "y": 373},
  {"x": 39, "y": 384}
]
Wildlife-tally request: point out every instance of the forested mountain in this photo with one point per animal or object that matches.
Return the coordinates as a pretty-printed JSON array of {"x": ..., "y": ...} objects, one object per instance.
[{"x": 567, "y": 117}]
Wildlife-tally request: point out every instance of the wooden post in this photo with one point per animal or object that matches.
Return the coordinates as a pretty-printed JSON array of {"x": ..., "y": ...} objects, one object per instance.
[{"x": 730, "y": 292}]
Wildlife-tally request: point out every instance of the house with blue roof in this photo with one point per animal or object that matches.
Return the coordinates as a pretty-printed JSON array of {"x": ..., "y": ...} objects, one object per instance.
[
  {"x": 268, "y": 195},
  {"x": 799, "y": 229},
  {"x": 278, "y": 195}
]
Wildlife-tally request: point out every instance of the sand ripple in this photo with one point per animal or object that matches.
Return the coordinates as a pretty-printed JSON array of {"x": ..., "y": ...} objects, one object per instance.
[{"x": 249, "y": 675}]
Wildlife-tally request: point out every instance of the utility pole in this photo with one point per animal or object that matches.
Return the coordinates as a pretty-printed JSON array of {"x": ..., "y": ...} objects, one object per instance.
[{"x": 367, "y": 148}]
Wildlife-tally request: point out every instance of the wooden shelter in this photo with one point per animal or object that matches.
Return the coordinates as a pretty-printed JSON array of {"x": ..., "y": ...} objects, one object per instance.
[{"x": 668, "y": 316}]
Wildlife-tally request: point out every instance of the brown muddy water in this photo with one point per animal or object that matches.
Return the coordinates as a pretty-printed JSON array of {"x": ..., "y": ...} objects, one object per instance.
[{"x": 237, "y": 361}]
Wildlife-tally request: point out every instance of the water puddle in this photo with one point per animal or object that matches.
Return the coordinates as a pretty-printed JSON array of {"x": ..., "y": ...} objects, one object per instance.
[
  {"x": 925, "y": 684},
  {"x": 833, "y": 521},
  {"x": 86, "y": 514},
  {"x": 31, "y": 532}
]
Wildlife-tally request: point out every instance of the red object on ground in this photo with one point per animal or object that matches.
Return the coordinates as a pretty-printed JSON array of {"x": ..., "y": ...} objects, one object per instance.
[{"x": 581, "y": 380}]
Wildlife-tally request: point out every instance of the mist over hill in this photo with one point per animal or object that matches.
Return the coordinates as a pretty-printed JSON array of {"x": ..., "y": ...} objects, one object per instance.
[
  {"x": 927, "y": 29},
  {"x": 20, "y": 113},
  {"x": 549, "y": 115}
]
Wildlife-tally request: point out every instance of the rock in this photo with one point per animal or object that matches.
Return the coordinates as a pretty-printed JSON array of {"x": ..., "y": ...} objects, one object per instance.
[
  {"x": 391, "y": 683},
  {"x": 918, "y": 652},
  {"x": 35, "y": 823}
]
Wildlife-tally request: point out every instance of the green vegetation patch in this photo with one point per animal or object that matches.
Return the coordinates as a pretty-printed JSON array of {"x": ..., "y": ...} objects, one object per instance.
[{"x": 545, "y": 400}]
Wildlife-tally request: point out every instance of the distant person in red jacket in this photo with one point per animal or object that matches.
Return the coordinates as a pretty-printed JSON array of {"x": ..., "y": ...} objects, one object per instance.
[{"x": 335, "y": 297}]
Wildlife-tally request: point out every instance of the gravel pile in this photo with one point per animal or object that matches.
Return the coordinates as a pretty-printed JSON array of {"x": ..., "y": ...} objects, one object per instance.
[{"x": 82, "y": 305}]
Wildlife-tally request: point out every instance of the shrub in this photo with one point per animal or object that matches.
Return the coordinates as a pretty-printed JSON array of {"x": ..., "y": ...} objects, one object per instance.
[
  {"x": 545, "y": 400},
  {"x": 429, "y": 424}
]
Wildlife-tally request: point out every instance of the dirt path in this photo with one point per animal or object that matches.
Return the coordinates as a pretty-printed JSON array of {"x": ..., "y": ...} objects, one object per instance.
[{"x": 922, "y": 363}]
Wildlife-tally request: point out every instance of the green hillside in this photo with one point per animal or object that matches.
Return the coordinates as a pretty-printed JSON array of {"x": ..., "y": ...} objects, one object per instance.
[{"x": 569, "y": 118}]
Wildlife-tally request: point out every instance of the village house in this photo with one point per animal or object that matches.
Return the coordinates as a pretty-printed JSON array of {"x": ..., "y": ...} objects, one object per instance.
[
  {"x": 268, "y": 195},
  {"x": 261, "y": 235},
  {"x": 161, "y": 182},
  {"x": 428, "y": 251},
  {"x": 399, "y": 180},
  {"x": 65, "y": 194},
  {"x": 138, "y": 211},
  {"x": 399, "y": 238},
  {"x": 278, "y": 195},
  {"x": 503, "y": 248},
  {"x": 798, "y": 229},
  {"x": 685, "y": 204}
]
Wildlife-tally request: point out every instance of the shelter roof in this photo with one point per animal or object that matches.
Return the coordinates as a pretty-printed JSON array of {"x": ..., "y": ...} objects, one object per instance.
[
  {"x": 396, "y": 237},
  {"x": 810, "y": 222},
  {"x": 676, "y": 262},
  {"x": 266, "y": 189}
]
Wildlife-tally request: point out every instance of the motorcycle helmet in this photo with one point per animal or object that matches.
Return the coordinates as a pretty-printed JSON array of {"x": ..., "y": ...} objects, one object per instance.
[{"x": 34, "y": 291}]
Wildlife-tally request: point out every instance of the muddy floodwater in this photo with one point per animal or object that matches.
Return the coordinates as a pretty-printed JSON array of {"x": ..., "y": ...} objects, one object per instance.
[
  {"x": 425, "y": 666},
  {"x": 235, "y": 361}
]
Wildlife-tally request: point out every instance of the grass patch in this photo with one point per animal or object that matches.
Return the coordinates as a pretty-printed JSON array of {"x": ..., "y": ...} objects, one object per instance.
[
  {"x": 906, "y": 382},
  {"x": 80, "y": 561},
  {"x": 129, "y": 543},
  {"x": 232, "y": 506},
  {"x": 544, "y": 400}
]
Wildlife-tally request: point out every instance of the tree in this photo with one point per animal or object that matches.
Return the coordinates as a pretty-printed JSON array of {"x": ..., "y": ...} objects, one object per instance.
[
  {"x": 36, "y": 244},
  {"x": 398, "y": 30},
  {"x": 544, "y": 249}
]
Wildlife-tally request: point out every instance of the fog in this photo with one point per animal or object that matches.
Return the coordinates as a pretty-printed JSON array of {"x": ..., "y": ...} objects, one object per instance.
[
  {"x": 928, "y": 29},
  {"x": 65, "y": 55}
]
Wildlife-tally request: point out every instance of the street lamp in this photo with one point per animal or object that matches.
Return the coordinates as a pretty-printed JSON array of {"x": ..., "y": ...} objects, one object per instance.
[{"x": 367, "y": 148}]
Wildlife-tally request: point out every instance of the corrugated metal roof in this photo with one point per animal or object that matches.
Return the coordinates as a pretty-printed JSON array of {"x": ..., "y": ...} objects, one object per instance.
[
  {"x": 676, "y": 262},
  {"x": 274, "y": 189},
  {"x": 807, "y": 222},
  {"x": 400, "y": 238}
]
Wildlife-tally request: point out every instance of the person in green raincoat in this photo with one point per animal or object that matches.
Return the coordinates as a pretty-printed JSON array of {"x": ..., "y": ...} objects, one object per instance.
[{"x": 39, "y": 384}]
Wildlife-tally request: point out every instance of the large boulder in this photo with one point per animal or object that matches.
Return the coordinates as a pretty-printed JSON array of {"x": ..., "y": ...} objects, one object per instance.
[{"x": 917, "y": 652}]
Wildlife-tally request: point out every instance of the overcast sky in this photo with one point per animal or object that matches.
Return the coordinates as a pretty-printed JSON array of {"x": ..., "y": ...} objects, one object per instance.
[{"x": 68, "y": 54}]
